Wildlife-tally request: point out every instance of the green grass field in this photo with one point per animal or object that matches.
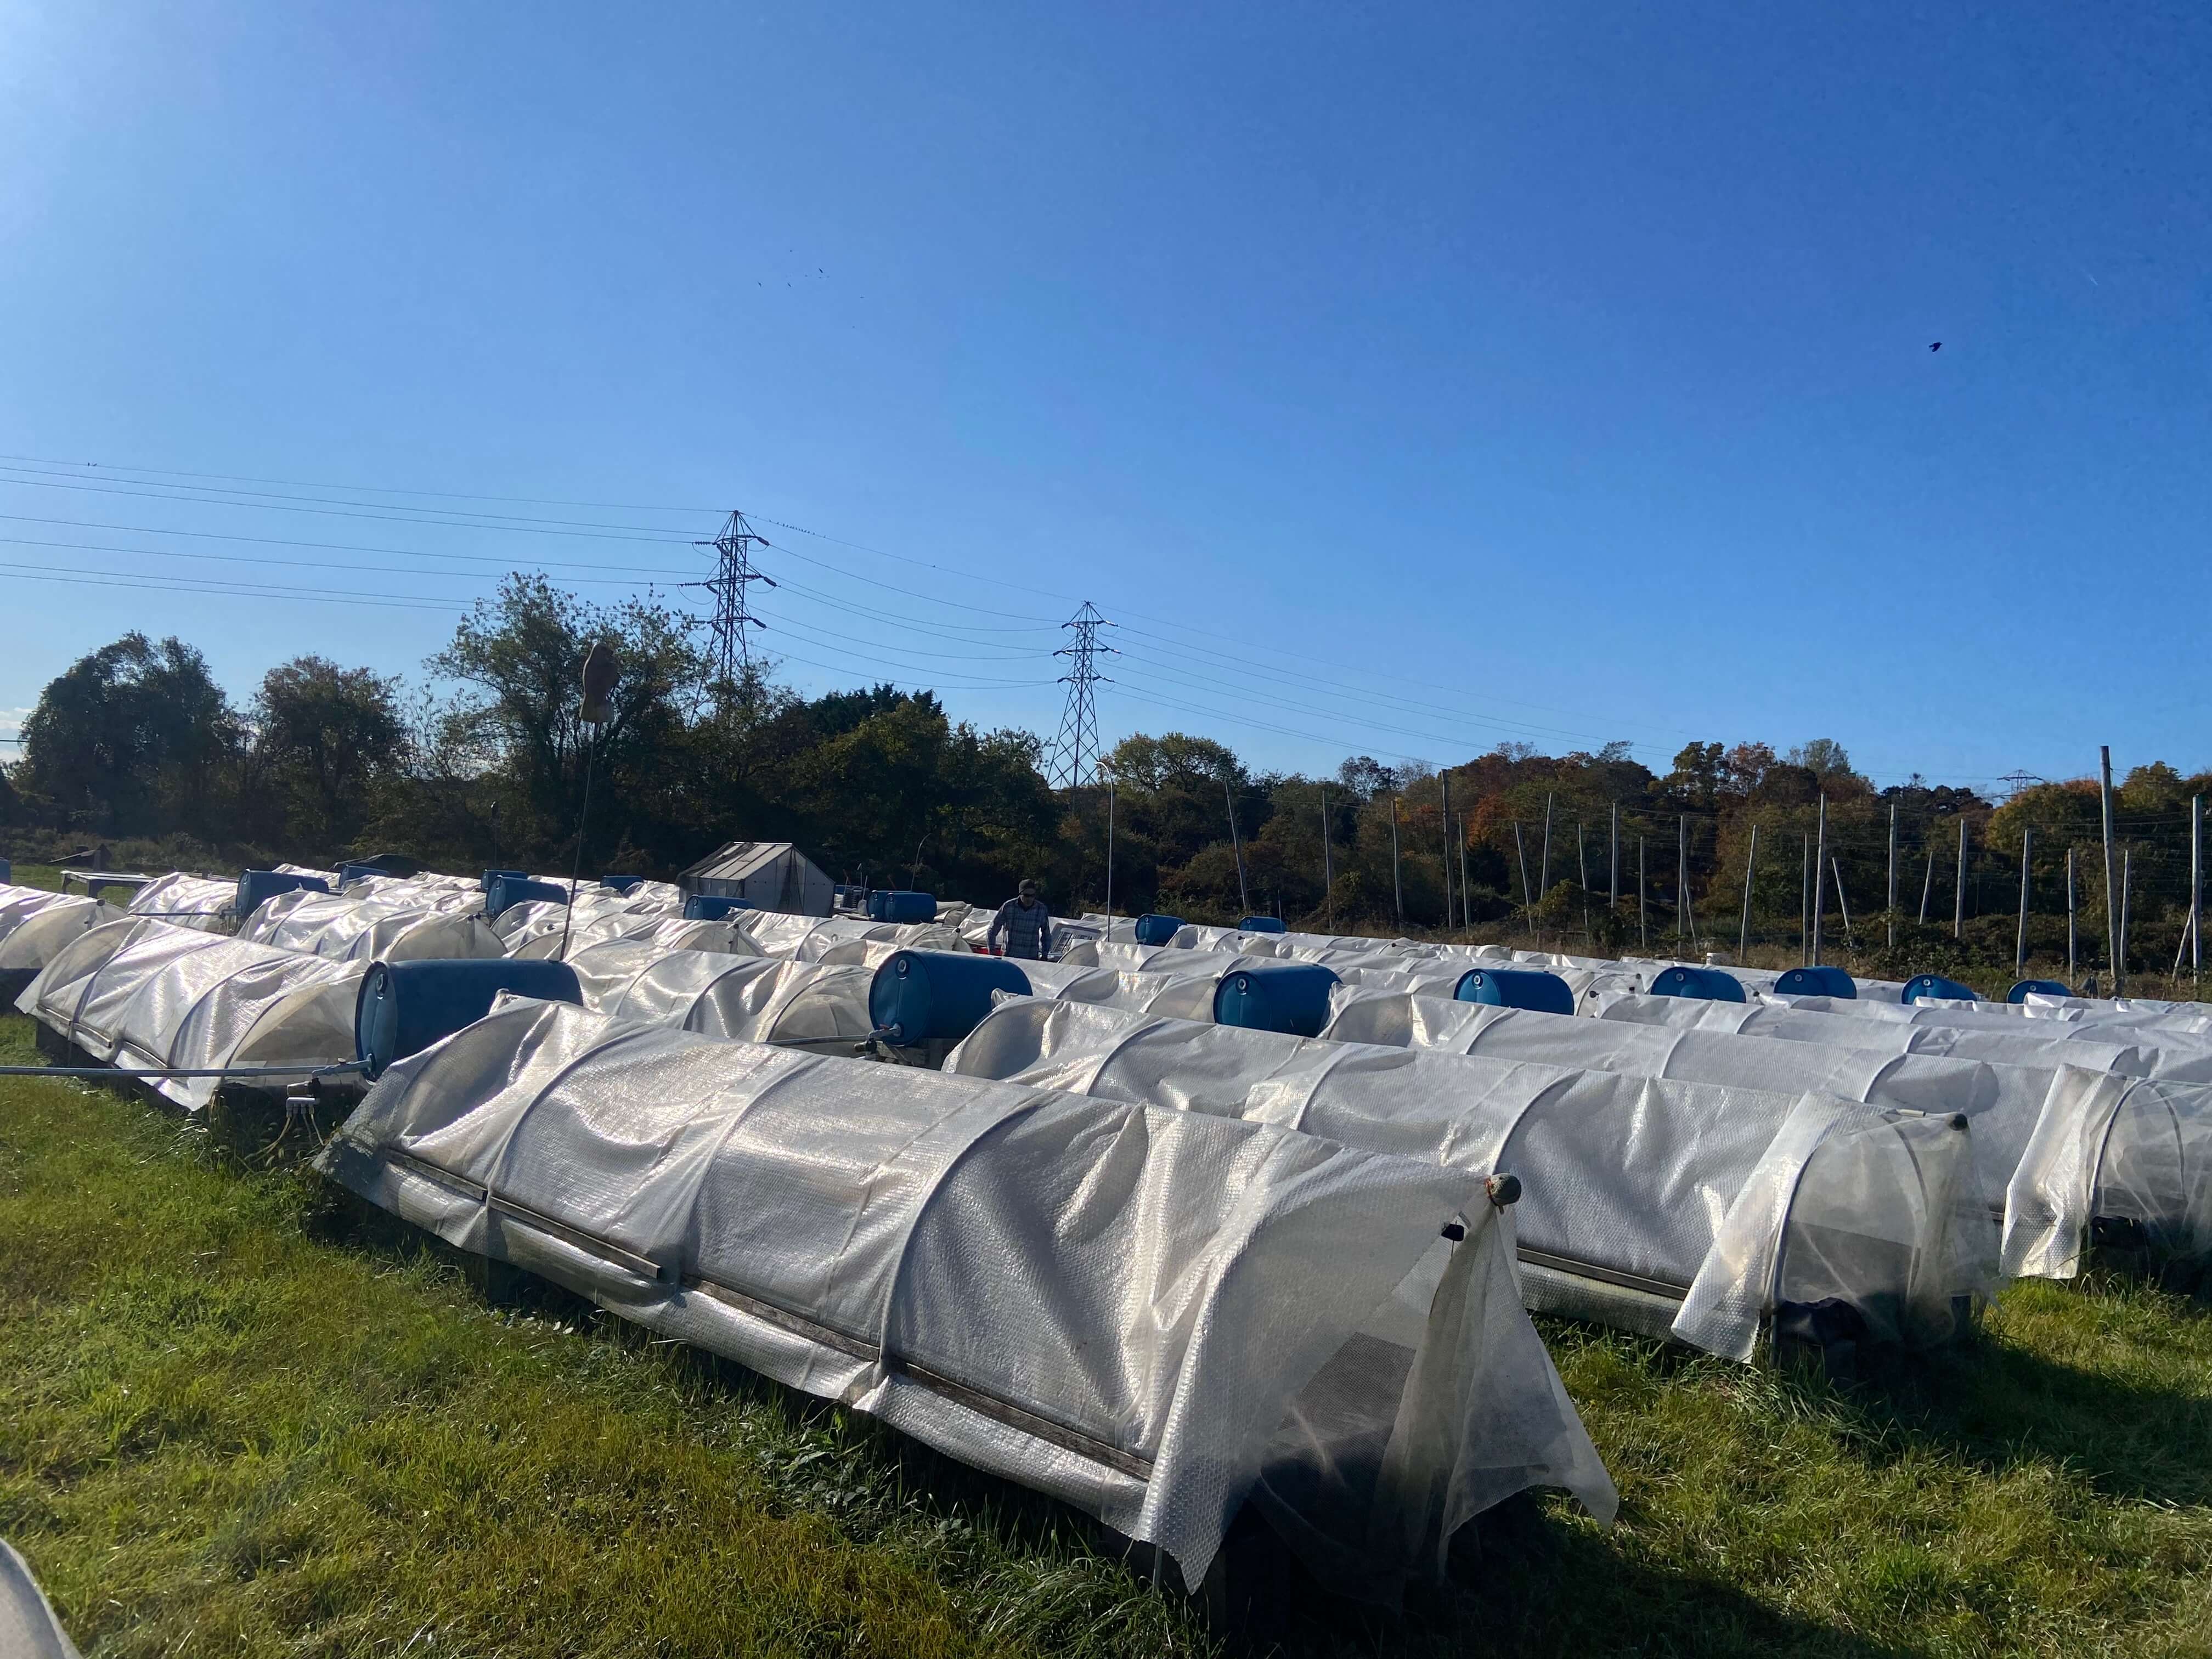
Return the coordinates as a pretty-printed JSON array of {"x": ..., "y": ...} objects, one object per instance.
[{"x": 236, "y": 1419}]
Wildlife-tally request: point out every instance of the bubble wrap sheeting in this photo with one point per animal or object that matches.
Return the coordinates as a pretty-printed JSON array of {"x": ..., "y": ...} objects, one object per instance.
[
  {"x": 2004, "y": 1101},
  {"x": 1173, "y": 996},
  {"x": 842, "y": 938},
  {"x": 667, "y": 931},
  {"x": 36, "y": 924},
  {"x": 184, "y": 901},
  {"x": 2041, "y": 1046},
  {"x": 1144, "y": 1313},
  {"x": 2190, "y": 1016},
  {"x": 140, "y": 992},
  {"x": 1132, "y": 958},
  {"x": 344, "y": 928},
  {"x": 2134, "y": 1149},
  {"x": 749, "y": 999},
  {"x": 1625, "y": 1176},
  {"x": 724, "y": 938},
  {"x": 597, "y": 913},
  {"x": 2180, "y": 1024},
  {"x": 29, "y": 1629}
]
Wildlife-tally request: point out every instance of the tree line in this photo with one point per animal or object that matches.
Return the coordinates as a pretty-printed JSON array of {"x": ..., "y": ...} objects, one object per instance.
[{"x": 485, "y": 764}]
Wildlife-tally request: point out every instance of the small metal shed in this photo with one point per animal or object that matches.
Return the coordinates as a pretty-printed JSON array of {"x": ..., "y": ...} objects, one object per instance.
[{"x": 769, "y": 875}]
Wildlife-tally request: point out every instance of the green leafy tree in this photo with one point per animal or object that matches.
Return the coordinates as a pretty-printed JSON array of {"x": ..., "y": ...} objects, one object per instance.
[
  {"x": 135, "y": 738},
  {"x": 324, "y": 738}
]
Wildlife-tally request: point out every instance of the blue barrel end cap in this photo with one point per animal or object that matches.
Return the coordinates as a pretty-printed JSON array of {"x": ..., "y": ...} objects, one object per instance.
[
  {"x": 1708, "y": 983},
  {"x": 1276, "y": 996},
  {"x": 1935, "y": 985},
  {"x": 921, "y": 996},
  {"x": 1515, "y": 988},
  {"x": 1822, "y": 981},
  {"x": 403, "y": 1008}
]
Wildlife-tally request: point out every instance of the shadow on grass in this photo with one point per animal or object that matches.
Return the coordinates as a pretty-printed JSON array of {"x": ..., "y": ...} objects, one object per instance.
[
  {"x": 1528, "y": 1578},
  {"x": 1999, "y": 1405}
]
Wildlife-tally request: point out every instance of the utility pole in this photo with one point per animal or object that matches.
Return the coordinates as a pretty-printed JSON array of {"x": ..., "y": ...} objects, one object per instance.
[
  {"x": 1682, "y": 877},
  {"x": 1959, "y": 911},
  {"x": 1443, "y": 844},
  {"x": 1109, "y": 857},
  {"x": 1582, "y": 873},
  {"x": 1743, "y": 933},
  {"x": 1819, "y": 879},
  {"x": 1844, "y": 904},
  {"x": 732, "y": 618},
  {"x": 1805, "y": 904},
  {"x": 1893, "y": 875},
  {"x": 1397, "y": 886},
  {"x": 2111, "y": 874},
  {"x": 1236, "y": 845},
  {"x": 1073, "y": 757},
  {"x": 1642, "y": 886},
  {"x": 2020, "y": 939},
  {"x": 1521, "y": 855},
  {"x": 1466, "y": 915},
  {"x": 1328, "y": 867},
  {"x": 1613, "y": 885},
  {"x": 2127, "y": 887},
  {"x": 2196, "y": 886},
  {"x": 1927, "y": 883},
  {"x": 2069, "y": 918}
]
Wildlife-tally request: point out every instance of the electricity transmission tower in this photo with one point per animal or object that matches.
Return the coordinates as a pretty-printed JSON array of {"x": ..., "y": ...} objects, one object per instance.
[
  {"x": 734, "y": 654},
  {"x": 1073, "y": 757}
]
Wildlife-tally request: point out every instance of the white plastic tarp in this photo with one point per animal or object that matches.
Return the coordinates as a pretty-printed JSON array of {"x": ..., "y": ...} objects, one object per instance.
[
  {"x": 841, "y": 938},
  {"x": 1152, "y": 1315},
  {"x": 185, "y": 901},
  {"x": 28, "y": 1628},
  {"x": 2132, "y": 1151},
  {"x": 2004, "y": 1102},
  {"x": 34, "y": 924},
  {"x": 344, "y": 928},
  {"x": 1664, "y": 1206},
  {"x": 2023, "y": 1043},
  {"x": 140, "y": 994},
  {"x": 796, "y": 1004}
]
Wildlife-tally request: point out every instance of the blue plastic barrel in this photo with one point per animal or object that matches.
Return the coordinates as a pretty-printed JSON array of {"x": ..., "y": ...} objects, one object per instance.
[
  {"x": 509, "y": 891},
  {"x": 1709, "y": 983},
  {"x": 403, "y": 1007},
  {"x": 491, "y": 876},
  {"x": 1278, "y": 996},
  {"x": 347, "y": 873},
  {"x": 1154, "y": 929},
  {"x": 1935, "y": 985},
  {"x": 1261, "y": 925},
  {"x": 2037, "y": 987},
  {"x": 7, "y": 870},
  {"x": 620, "y": 884},
  {"x": 897, "y": 905},
  {"x": 919, "y": 995},
  {"x": 1515, "y": 988},
  {"x": 1823, "y": 982},
  {"x": 711, "y": 907},
  {"x": 255, "y": 885}
]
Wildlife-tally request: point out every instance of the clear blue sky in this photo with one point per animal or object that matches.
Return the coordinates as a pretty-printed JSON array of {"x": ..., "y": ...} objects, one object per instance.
[{"x": 1406, "y": 379}]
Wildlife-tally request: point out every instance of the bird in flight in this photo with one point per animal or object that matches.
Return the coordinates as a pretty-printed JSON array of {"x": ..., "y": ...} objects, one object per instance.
[{"x": 1937, "y": 346}]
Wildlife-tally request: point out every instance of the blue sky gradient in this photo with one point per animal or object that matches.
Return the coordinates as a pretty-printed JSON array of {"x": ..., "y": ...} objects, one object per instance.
[{"x": 1403, "y": 380}]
